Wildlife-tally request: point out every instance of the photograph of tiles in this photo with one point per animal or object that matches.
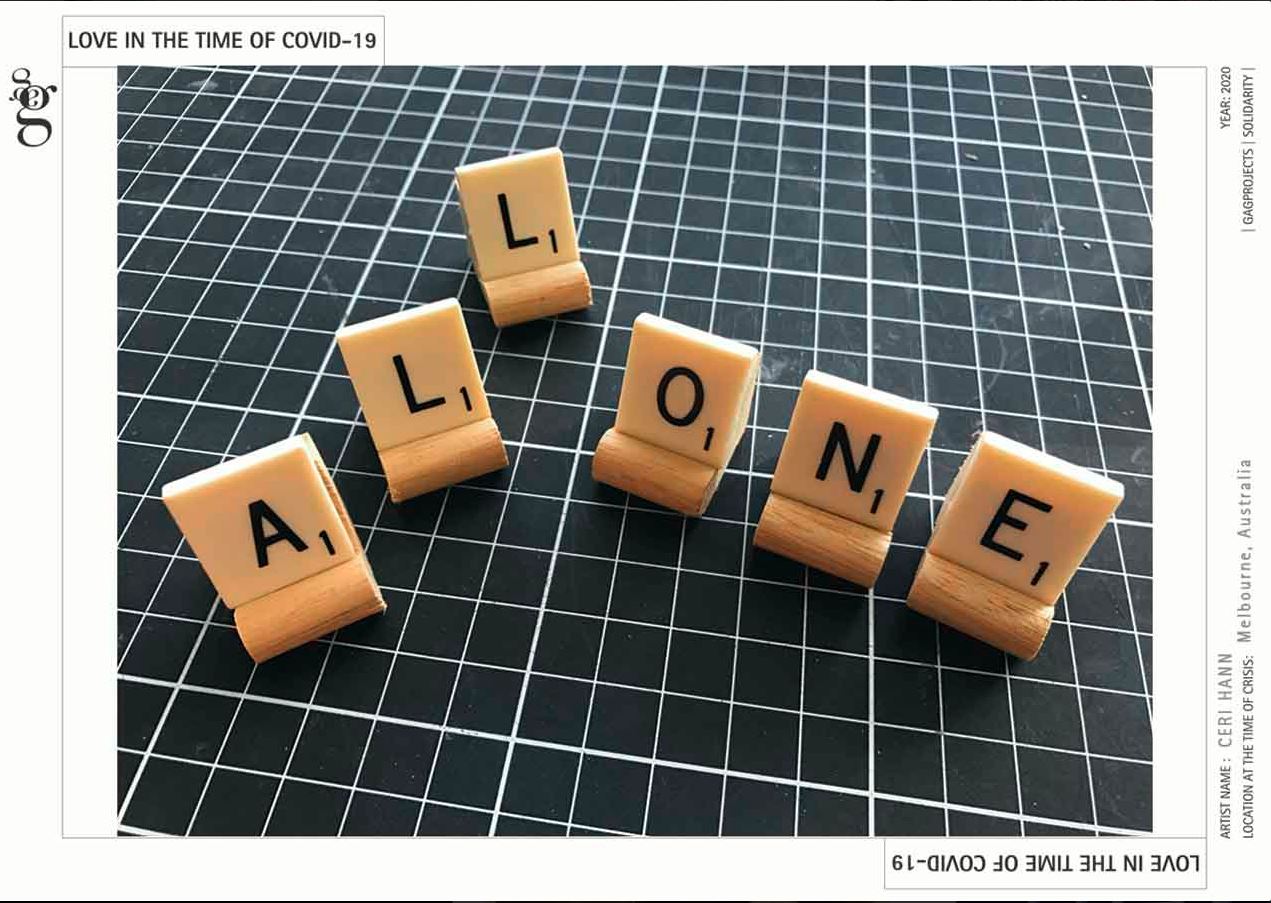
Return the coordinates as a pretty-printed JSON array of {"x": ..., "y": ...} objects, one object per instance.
[{"x": 560, "y": 658}]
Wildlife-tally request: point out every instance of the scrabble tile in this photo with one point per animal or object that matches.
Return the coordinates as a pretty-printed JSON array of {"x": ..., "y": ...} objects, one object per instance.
[
  {"x": 686, "y": 390},
  {"x": 1021, "y": 517},
  {"x": 517, "y": 212},
  {"x": 414, "y": 373},
  {"x": 262, "y": 521},
  {"x": 852, "y": 450}
]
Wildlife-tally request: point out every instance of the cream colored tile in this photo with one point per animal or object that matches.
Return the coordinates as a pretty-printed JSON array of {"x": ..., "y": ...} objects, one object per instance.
[
  {"x": 686, "y": 390},
  {"x": 852, "y": 450},
  {"x": 1021, "y": 517},
  {"x": 414, "y": 373},
  {"x": 518, "y": 213},
  {"x": 262, "y": 521}
]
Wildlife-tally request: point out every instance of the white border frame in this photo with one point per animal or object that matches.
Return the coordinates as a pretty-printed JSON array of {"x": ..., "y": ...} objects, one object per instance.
[{"x": 1158, "y": 34}]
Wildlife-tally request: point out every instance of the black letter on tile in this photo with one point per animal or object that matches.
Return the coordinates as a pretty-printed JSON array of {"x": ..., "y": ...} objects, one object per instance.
[
  {"x": 839, "y": 441},
  {"x": 1003, "y": 516},
  {"x": 404, "y": 378},
  {"x": 259, "y": 512},
  {"x": 699, "y": 396},
  {"x": 508, "y": 233}
]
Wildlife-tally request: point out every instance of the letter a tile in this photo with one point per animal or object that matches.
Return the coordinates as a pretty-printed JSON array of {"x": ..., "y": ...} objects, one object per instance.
[{"x": 262, "y": 521}]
